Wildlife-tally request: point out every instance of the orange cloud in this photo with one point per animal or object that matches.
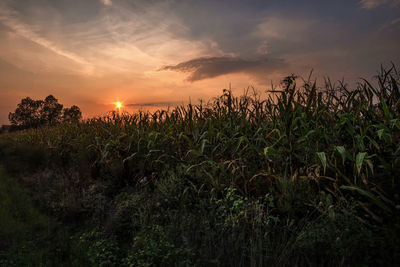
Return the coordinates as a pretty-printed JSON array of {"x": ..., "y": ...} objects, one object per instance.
[{"x": 107, "y": 2}]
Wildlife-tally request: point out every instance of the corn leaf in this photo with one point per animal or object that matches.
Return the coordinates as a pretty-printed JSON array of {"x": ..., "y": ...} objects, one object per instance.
[
  {"x": 322, "y": 159},
  {"x": 360, "y": 160},
  {"x": 369, "y": 195}
]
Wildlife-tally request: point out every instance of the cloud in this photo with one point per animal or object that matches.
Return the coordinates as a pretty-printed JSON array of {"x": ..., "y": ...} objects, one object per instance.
[
  {"x": 10, "y": 18},
  {"x": 394, "y": 24},
  {"x": 134, "y": 36},
  {"x": 395, "y": 21},
  {"x": 210, "y": 67},
  {"x": 154, "y": 104},
  {"x": 371, "y": 4},
  {"x": 106, "y": 2}
]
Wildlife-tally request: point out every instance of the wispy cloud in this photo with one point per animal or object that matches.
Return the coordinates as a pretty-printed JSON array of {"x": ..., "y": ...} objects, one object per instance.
[
  {"x": 371, "y": 4},
  {"x": 106, "y": 2},
  {"x": 210, "y": 67},
  {"x": 394, "y": 24},
  {"x": 134, "y": 38},
  {"x": 10, "y": 18},
  {"x": 154, "y": 104},
  {"x": 395, "y": 21}
]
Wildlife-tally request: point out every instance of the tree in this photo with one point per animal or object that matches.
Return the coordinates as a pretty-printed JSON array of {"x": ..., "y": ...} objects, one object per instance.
[
  {"x": 51, "y": 111},
  {"x": 34, "y": 113},
  {"x": 72, "y": 114},
  {"x": 27, "y": 114}
]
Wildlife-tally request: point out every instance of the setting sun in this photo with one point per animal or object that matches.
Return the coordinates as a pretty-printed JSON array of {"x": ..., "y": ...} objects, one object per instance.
[{"x": 118, "y": 104}]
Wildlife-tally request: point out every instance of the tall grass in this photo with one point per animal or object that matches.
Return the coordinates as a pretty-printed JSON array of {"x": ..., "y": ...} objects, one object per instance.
[{"x": 238, "y": 180}]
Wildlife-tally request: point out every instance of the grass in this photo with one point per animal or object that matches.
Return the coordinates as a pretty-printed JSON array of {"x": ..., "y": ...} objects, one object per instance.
[
  {"x": 308, "y": 176},
  {"x": 17, "y": 212},
  {"x": 28, "y": 237}
]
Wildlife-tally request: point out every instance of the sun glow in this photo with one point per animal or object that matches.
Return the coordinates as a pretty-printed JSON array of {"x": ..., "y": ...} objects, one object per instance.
[{"x": 118, "y": 104}]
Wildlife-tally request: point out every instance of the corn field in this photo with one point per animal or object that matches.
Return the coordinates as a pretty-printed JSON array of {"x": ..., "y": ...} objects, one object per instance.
[{"x": 308, "y": 176}]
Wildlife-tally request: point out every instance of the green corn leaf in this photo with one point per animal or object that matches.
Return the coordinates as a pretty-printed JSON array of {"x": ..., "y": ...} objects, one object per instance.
[
  {"x": 242, "y": 139},
  {"x": 187, "y": 139},
  {"x": 388, "y": 138},
  {"x": 360, "y": 160},
  {"x": 385, "y": 108},
  {"x": 195, "y": 152},
  {"x": 395, "y": 86},
  {"x": 306, "y": 136},
  {"x": 268, "y": 150},
  {"x": 395, "y": 123},
  {"x": 189, "y": 168},
  {"x": 342, "y": 152},
  {"x": 367, "y": 194},
  {"x": 154, "y": 151},
  {"x": 322, "y": 159},
  {"x": 380, "y": 133},
  {"x": 397, "y": 153},
  {"x": 376, "y": 145},
  {"x": 203, "y": 144},
  {"x": 370, "y": 165},
  {"x": 130, "y": 157}
]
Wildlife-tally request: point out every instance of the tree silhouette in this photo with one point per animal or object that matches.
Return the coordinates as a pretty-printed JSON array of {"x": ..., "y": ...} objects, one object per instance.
[
  {"x": 51, "y": 111},
  {"x": 72, "y": 114},
  {"x": 27, "y": 114},
  {"x": 34, "y": 113}
]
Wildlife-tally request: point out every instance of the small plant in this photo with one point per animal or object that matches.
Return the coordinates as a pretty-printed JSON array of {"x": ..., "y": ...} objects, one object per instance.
[{"x": 102, "y": 250}]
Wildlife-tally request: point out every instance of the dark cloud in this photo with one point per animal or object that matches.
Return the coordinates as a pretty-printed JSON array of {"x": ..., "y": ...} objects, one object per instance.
[
  {"x": 210, "y": 67},
  {"x": 154, "y": 104}
]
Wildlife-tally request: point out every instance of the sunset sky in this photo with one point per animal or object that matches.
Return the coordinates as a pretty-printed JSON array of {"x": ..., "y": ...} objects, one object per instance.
[{"x": 153, "y": 53}]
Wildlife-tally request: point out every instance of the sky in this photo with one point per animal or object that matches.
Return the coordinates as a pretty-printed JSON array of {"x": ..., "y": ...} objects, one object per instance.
[{"x": 154, "y": 53}]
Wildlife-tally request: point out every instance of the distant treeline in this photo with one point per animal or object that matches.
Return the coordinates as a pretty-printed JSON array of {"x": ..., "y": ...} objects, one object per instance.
[{"x": 32, "y": 113}]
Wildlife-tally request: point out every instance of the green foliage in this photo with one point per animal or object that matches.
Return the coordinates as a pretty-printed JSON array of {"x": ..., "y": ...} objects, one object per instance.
[
  {"x": 17, "y": 212},
  {"x": 101, "y": 250},
  {"x": 153, "y": 249},
  {"x": 34, "y": 113},
  {"x": 28, "y": 237},
  {"x": 307, "y": 176}
]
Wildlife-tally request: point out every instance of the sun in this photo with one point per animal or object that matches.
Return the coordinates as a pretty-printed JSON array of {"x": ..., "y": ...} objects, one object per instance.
[{"x": 118, "y": 104}]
